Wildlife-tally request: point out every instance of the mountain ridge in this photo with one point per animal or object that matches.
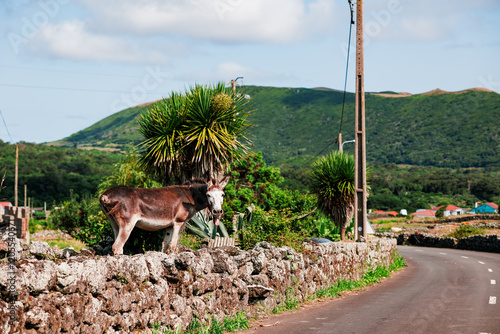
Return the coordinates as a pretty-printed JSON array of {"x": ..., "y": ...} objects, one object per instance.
[{"x": 437, "y": 128}]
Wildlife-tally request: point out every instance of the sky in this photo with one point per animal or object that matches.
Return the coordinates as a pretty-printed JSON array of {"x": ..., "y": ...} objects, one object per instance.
[{"x": 67, "y": 64}]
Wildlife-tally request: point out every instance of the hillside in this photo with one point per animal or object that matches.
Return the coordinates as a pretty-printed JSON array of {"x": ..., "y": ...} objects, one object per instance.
[{"x": 443, "y": 129}]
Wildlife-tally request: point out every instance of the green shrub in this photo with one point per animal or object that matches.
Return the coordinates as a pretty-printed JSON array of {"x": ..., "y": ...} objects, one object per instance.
[
  {"x": 82, "y": 219},
  {"x": 465, "y": 231},
  {"x": 440, "y": 212},
  {"x": 275, "y": 227}
]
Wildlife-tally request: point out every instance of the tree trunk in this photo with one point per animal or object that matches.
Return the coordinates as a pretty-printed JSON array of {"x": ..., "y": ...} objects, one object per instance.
[{"x": 342, "y": 233}]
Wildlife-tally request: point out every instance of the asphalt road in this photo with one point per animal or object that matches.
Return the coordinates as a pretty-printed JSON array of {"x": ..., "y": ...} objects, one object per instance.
[{"x": 441, "y": 291}]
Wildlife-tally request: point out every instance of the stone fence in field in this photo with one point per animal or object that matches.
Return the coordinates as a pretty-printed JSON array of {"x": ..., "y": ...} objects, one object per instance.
[
  {"x": 59, "y": 292},
  {"x": 481, "y": 243}
]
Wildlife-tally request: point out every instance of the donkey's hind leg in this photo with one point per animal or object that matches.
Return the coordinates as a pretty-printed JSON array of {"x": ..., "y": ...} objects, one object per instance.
[
  {"x": 114, "y": 226},
  {"x": 123, "y": 234}
]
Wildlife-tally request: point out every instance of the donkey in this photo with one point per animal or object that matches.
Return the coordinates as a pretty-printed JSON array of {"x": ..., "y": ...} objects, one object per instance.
[{"x": 158, "y": 208}]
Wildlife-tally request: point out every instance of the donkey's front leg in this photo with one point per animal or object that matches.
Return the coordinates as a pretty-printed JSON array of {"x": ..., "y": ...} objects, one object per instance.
[{"x": 168, "y": 237}]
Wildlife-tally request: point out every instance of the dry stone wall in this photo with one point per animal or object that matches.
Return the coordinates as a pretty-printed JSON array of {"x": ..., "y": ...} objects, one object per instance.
[
  {"x": 129, "y": 294},
  {"x": 480, "y": 243}
]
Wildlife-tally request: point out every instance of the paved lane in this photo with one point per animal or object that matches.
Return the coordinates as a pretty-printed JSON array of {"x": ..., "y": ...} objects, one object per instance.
[{"x": 441, "y": 291}]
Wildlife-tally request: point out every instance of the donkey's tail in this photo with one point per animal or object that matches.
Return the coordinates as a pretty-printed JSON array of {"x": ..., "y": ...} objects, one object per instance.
[{"x": 108, "y": 206}]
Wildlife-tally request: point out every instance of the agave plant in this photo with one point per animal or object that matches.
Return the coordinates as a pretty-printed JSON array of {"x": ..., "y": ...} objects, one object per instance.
[
  {"x": 242, "y": 219},
  {"x": 205, "y": 229}
]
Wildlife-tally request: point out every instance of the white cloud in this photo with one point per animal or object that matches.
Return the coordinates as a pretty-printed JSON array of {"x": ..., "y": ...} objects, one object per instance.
[
  {"x": 275, "y": 21},
  {"x": 156, "y": 30},
  {"x": 72, "y": 40},
  {"x": 420, "y": 21},
  {"x": 232, "y": 70}
]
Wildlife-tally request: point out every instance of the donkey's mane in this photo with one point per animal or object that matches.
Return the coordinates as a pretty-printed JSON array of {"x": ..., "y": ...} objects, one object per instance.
[{"x": 195, "y": 181}]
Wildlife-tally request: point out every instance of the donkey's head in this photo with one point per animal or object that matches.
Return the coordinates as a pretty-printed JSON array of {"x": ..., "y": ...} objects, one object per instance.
[{"x": 215, "y": 197}]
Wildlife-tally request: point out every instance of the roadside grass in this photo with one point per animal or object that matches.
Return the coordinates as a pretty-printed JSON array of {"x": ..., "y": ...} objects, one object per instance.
[
  {"x": 371, "y": 277},
  {"x": 229, "y": 324}
]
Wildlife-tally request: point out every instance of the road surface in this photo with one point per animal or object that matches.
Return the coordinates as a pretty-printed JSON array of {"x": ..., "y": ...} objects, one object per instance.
[{"x": 441, "y": 291}]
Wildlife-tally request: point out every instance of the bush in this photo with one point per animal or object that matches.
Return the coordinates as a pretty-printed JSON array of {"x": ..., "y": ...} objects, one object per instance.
[
  {"x": 281, "y": 217},
  {"x": 466, "y": 231},
  {"x": 274, "y": 228},
  {"x": 82, "y": 219}
]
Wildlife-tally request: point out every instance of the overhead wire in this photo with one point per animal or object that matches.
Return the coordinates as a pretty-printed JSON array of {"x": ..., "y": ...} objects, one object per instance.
[
  {"x": 70, "y": 71},
  {"x": 351, "y": 23},
  {"x": 73, "y": 89},
  {"x": 6, "y": 127}
]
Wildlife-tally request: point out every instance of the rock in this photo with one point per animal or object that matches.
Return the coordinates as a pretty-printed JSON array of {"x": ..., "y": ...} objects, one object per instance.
[
  {"x": 42, "y": 250},
  {"x": 258, "y": 291}
]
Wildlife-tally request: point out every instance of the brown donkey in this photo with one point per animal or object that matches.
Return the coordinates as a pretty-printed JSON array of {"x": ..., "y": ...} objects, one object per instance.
[{"x": 157, "y": 208}]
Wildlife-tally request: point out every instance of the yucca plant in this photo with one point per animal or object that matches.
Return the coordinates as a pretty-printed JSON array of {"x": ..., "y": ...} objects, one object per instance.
[
  {"x": 333, "y": 183},
  {"x": 197, "y": 134},
  {"x": 205, "y": 229}
]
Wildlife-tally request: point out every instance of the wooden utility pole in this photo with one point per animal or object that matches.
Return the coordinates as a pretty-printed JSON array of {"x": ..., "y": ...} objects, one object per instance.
[
  {"x": 360, "y": 146},
  {"x": 15, "y": 176},
  {"x": 340, "y": 142}
]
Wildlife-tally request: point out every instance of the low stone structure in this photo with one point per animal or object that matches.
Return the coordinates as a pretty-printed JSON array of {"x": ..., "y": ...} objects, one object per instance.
[
  {"x": 125, "y": 294},
  {"x": 481, "y": 243}
]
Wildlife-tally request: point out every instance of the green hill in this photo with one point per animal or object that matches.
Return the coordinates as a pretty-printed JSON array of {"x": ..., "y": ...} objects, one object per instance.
[{"x": 440, "y": 129}]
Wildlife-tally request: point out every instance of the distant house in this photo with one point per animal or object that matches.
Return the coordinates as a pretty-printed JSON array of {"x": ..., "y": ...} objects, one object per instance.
[
  {"x": 424, "y": 213},
  {"x": 486, "y": 208},
  {"x": 452, "y": 210},
  {"x": 392, "y": 213},
  {"x": 3, "y": 205}
]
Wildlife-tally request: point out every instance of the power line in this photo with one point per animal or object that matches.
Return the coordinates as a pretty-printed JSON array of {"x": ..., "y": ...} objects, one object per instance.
[
  {"x": 351, "y": 23},
  {"x": 6, "y": 128},
  {"x": 347, "y": 65},
  {"x": 68, "y": 71},
  {"x": 74, "y": 89}
]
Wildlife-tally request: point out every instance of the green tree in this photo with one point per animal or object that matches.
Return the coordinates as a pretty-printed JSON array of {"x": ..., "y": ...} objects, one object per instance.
[
  {"x": 440, "y": 212},
  {"x": 128, "y": 173},
  {"x": 333, "y": 183},
  {"x": 197, "y": 134}
]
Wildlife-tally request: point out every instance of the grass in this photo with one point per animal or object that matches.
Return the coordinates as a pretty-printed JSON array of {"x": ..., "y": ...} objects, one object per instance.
[
  {"x": 67, "y": 243},
  {"x": 370, "y": 277},
  {"x": 229, "y": 324}
]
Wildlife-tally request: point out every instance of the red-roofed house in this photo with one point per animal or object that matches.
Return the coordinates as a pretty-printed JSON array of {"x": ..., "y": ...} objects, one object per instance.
[
  {"x": 392, "y": 213},
  {"x": 3, "y": 205},
  {"x": 424, "y": 213},
  {"x": 452, "y": 210}
]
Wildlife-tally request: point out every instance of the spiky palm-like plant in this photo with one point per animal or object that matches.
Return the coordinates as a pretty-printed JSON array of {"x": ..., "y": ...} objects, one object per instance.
[
  {"x": 333, "y": 184},
  {"x": 197, "y": 134}
]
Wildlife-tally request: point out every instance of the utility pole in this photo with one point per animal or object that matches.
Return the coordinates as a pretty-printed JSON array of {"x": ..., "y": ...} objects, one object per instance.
[
  {"x": 360, "y": 145},
  {"x": 233, "y": 84},
  {"x": 15, "y": 176}
]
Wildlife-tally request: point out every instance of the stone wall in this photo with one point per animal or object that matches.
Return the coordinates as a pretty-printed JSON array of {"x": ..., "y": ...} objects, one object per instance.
[
  {"x": 125, "y": 294},
  {"x": 481, "y": 243}
]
